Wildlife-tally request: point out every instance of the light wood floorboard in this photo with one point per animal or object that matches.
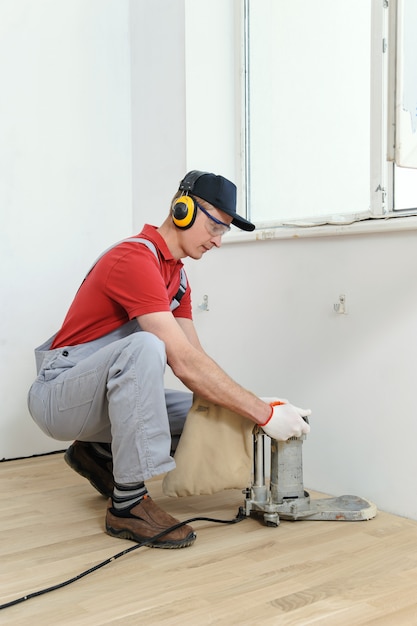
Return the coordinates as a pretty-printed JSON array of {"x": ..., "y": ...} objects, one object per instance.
[{"x": 304, "y": 572}]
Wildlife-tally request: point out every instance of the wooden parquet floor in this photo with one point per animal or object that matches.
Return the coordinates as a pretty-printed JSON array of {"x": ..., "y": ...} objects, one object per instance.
[{"x": 304, "y": 572}]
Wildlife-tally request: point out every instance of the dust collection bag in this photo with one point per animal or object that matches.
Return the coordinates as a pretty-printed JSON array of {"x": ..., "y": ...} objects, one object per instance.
[{"x": 214, "y": 452}]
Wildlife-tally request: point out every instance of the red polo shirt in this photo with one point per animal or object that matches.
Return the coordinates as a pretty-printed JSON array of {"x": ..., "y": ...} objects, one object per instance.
[{"x": 127, "y": 281}]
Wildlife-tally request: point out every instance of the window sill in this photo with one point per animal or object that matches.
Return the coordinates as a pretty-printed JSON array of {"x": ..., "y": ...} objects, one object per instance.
[{"x": 264, "y": 232}]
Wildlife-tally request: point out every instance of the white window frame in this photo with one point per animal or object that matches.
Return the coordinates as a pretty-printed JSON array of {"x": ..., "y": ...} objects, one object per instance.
[{"x": 379, "y": 218}]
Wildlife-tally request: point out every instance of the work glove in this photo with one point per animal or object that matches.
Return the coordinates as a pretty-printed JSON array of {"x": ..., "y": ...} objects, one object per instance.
[{"x": 286, "y": 420}]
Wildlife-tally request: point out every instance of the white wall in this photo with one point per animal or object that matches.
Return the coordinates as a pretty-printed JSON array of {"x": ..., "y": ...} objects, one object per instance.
[
  {"x": 158, "y": 106},
  {"x": 65, "y": 177},
  {"x": 212, "y": 86},
  {"x": 272, "y": 326}
]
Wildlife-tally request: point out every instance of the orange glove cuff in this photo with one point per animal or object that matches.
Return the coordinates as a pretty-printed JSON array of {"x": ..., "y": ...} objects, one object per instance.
[{"x": 271, "y": 404}]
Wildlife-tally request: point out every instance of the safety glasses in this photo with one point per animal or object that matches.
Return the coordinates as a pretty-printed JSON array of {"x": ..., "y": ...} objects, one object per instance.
[{"x": 214, "y": 226}]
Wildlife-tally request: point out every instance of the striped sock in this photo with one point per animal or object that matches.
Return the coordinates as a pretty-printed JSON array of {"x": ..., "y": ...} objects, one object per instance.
[{"x": 125, "y": 497}]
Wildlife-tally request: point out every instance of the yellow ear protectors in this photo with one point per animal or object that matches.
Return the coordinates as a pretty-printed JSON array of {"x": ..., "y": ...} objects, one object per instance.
[{"x": 184, "y": 212}]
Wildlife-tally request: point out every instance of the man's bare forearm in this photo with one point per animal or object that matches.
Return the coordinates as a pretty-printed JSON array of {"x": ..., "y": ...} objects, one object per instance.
[{"x": 202, "y": 375}]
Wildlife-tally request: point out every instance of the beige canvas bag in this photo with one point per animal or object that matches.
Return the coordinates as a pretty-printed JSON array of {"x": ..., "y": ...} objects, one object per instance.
[{"x": 214, "y": 453}]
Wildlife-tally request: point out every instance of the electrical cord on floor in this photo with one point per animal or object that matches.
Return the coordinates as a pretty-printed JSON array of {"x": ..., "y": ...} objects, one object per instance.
[{"x": 239, "y": 517}]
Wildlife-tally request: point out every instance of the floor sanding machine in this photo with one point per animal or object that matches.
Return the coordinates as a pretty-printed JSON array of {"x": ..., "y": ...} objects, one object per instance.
[{"x": 283, "y": 496}]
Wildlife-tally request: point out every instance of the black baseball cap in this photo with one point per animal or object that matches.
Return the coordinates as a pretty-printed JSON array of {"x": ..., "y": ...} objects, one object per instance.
[{"x": 217, "y": 191}]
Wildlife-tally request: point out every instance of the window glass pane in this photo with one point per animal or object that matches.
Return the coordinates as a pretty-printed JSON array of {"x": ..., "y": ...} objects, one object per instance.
[
  {"x": 309, "y": 108},
  {"x": 406, "y": 86},
  {"x": 405, "y": 188}
]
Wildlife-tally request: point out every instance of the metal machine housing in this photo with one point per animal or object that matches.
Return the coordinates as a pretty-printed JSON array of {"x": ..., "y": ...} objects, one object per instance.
[{"x": 285, "y": 497}]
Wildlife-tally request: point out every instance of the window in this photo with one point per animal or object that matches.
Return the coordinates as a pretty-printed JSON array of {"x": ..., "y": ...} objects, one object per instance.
[
  {"x": 403, "y": 111},
  {"x": 318, "y": 112}
]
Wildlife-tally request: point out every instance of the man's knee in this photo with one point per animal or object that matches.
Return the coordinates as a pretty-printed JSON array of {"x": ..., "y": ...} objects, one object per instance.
[
  {"x": 148, "y": 341},
  {"x": 148, "y": 347}
]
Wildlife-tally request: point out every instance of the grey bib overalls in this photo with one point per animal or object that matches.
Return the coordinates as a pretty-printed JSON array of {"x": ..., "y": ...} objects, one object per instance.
[{"x": 112, "y": 390}]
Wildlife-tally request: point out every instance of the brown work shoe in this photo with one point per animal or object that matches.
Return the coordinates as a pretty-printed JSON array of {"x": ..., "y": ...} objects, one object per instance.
[
  {"x": 146, "y": 520},
  {"x": 82, "y": 458}
]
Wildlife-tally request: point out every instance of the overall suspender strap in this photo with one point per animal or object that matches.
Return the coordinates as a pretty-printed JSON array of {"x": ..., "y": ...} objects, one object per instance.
[{"x": 175, "y": 302}]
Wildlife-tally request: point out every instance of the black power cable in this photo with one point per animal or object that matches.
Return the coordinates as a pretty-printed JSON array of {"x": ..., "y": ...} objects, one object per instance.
[{"x": 239, "y": 517}]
